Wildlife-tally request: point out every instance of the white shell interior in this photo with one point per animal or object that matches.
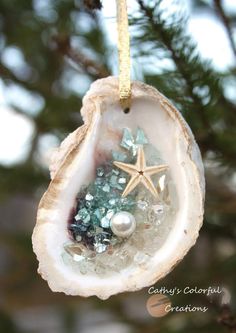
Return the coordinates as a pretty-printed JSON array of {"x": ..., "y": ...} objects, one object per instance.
[{"x": 167, "y": 131}]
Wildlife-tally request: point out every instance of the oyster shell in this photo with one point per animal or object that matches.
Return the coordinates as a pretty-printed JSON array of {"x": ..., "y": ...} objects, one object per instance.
[{"x": 149, "y": 254}]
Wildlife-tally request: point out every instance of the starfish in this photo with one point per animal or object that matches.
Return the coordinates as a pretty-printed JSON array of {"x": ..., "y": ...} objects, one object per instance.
[{"x": 140, "y": 173}]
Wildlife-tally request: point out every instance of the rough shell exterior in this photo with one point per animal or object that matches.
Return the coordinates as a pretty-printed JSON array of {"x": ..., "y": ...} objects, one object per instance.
[{"x": 50, "y": 231}]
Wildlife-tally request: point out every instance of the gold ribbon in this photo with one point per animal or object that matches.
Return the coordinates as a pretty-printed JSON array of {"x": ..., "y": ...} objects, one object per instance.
[{"x": 124, "y": 54}]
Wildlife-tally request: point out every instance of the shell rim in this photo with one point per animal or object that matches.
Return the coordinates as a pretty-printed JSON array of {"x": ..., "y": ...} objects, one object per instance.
[{"x": 50, "y": 196}]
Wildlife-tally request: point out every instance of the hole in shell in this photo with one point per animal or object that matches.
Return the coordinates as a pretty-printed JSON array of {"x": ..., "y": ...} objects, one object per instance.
[{"x": 126, "y": 110}]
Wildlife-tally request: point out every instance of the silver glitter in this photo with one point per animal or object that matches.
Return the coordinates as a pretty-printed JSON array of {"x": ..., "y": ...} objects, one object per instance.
[
  {"x": 89, "y": 197},
  {"x": 100, "y": 248},
  {"x": 143, "y": 205},
  {"x": 121, "y": 180},
  {"x": 162, "y": 182}
]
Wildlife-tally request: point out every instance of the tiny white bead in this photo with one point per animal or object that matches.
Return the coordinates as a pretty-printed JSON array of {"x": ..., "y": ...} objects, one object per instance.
[{"x": 123, "y": 224}]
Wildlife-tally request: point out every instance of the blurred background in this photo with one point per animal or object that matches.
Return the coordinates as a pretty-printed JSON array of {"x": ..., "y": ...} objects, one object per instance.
[{"x": 50, "y": 52}]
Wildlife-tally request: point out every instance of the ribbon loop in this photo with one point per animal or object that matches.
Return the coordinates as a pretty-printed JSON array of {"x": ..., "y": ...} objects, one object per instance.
[{"x": 124, "y": 54}]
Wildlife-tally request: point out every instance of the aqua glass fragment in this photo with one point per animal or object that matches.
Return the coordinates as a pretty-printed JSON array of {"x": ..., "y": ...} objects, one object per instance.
[
  {"x": 82, "y": 227},
  {"x": 98, "y": 181},
  {"x": 113, "y": 180},
  {"x": 106, "y": 188},
  {"x": 118, "y": 187},
  {"x": 112, "y": 202},
  {"x": 99, "y": 212},
  {"x": 106, "y": 203},
  {"x": 127, "y": 140},
  {"x": 110, "y": 213},
  {"x": 115, "y": 171},
  {"x": 122, "y": 180},
  {"x": 105, "y": 222},
  {"x": 86, "y": 219},
  {"x": 100, "y": 172},
  {"x": 141, "y": 139},
  {"x": 134, "y": 149},
  {"x": 89, "y": 204},
  {"x": 119, "y": 156},
  {"x": 77, "y": 217},
  {"x": 84, "y": 215}
]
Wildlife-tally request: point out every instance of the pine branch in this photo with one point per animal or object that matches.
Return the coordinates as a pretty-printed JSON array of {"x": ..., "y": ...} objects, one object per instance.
[
  {"x": 33, "y": 146},
  {"x": 179, "y": 61},
  {"x": 171, "y": 36},
  {"x": 226, "y": 22},
  {"x": 191, "y": 75},
  {"x": 93, "y": 4},
  {"x": 89, "y": 66}
]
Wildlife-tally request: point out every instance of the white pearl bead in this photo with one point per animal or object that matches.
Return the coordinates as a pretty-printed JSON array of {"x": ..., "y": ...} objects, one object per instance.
[{"x": 123, "y": 224}]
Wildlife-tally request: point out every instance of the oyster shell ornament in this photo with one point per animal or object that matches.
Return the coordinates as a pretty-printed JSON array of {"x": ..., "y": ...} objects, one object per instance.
[{"x": 125, "y": 203}]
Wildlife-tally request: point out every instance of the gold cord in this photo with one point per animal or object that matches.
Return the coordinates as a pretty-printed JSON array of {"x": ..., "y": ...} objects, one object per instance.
[{"x": 124, "y": 54}]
